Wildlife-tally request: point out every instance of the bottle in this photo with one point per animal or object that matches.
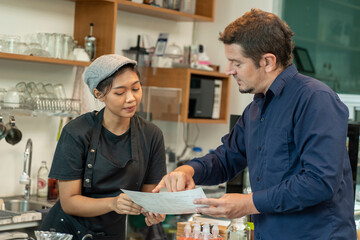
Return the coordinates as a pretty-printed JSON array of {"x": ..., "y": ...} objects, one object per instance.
[
  {"x": 238, "y": 229},
  {"x": 206, "y": 235},
  {"x": 52, "y": 189},
  {"x": 203, "y": 58},
  {"x": 215, "y": 233},
  {"x": 42, "y": 180},
  {"x": 187, "y": 232},
  {"x": 196, "y": 231},
  {"x": 90, "y": 44}
]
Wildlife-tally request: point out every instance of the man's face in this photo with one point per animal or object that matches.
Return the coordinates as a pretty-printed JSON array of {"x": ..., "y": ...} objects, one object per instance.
[{"x": 249, "y": 77}]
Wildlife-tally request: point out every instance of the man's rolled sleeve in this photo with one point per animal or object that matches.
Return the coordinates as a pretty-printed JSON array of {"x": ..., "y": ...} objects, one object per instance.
[{"x": 261, "y": 201}]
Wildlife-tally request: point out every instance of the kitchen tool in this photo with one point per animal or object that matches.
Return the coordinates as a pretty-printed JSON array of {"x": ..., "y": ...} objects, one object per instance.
[
  {"x": 138, "y": 53},
  {"x": 14, "y": 135},
  {"x": 3, "y": 129}
]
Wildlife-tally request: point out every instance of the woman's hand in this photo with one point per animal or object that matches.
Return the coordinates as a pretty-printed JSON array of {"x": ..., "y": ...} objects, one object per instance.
[
  {"x": 122, "y": 204},
  {"x": 153, "y": 218}
]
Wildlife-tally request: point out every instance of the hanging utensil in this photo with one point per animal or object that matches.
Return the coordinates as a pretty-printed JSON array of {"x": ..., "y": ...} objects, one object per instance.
[{"x": 14, "y": 135}]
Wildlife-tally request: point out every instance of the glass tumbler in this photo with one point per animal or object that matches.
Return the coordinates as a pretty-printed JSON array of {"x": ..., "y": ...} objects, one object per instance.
[
  {"x": 12, "y": 44},
  {"x": 2, "y": 42},
  {"x": 66, "y": 47},
  {"x": 58, "y": 45},
  {"x": 59, "y": 91}
]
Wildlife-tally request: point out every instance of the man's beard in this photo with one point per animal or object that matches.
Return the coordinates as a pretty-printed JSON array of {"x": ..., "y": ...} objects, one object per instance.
[{"x": 249, "y": 90}]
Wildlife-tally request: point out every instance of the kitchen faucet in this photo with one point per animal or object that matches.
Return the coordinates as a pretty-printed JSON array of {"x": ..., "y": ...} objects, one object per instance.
[{"x": 25, "y": 176}]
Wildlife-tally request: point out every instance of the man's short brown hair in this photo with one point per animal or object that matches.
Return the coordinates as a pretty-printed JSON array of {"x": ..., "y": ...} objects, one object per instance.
[{"x": 259, "y": 32}]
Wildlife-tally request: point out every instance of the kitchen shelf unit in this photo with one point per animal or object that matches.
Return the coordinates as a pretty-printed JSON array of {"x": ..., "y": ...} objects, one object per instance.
[
  {"x": 180, "y": 78},
  {"x": 104, "y": 13}
]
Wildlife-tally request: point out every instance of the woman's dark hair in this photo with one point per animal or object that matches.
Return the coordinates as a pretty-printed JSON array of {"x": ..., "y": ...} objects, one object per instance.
[
  {"x": 105, "y": 85},
  {"x": 259, "y": 32}
]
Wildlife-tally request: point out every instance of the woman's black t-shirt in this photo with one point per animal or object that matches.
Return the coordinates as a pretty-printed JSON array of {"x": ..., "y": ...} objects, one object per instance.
[{"x": 127, "y": 161}]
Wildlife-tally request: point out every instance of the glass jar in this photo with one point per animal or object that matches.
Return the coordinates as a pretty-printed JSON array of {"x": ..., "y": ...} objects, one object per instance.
[
  {"x": 196, "y": 152},
  {"x": 238, "y": 229}
]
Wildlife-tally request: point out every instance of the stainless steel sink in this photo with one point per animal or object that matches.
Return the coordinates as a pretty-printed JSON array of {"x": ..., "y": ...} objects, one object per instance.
[{"x": 22, "y": 205}]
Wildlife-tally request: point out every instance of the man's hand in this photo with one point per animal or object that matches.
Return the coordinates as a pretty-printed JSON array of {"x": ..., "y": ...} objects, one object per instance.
[
  {"x": 229, "y": 206},
  {"x": 178, "y": 180}
]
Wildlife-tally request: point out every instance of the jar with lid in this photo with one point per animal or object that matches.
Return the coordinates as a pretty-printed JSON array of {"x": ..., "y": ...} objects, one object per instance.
[
  {"x": 196, "y": 152},
  {"x": 238, "y": 229}
]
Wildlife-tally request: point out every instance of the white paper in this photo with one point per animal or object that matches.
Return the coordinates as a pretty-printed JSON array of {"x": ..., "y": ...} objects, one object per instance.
[{"x": 167, "y": 202}]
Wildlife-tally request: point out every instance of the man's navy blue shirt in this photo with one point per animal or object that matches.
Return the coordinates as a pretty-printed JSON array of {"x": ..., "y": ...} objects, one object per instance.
[{"x": 293, "y": 139}]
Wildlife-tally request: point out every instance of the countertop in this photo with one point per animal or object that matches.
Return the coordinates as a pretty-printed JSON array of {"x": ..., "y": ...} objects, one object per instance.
[{"x": 10, "y": 220}]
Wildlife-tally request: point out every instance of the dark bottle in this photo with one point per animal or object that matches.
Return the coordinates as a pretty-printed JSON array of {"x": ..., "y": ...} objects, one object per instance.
[
  {"x": 52, "y": 189},
  {"x": 90, "y": 44}
]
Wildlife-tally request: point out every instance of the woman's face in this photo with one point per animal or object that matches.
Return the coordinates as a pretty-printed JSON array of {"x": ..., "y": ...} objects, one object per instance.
[{"x": 124, "y": 96}]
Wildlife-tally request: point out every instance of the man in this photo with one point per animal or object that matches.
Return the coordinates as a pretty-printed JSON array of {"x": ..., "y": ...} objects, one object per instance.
[{"x": 292, "y": 136}]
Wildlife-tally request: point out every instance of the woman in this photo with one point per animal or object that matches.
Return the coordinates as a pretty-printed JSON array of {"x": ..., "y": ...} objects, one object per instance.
[{"x": 99, "y": 153}]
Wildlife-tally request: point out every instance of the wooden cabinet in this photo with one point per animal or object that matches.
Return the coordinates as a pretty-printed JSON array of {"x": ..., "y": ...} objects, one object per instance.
[
  {"x": 180, "y": 78},
  {"x": 104, "y": 13}
]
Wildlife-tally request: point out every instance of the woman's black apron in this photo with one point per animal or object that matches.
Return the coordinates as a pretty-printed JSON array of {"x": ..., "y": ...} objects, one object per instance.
[{"x": 101, "y": 177}]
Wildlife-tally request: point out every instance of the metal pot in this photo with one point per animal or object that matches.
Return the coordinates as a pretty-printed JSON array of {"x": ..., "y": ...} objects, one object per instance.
[{"x": 14, "y": 135}]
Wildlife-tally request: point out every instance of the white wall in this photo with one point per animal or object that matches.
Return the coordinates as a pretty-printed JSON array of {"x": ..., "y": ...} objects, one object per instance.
[
  {"x": 208, "y": 34},
  {"x": 24, "y": 17},
  {"x": 31, "y": 16}
]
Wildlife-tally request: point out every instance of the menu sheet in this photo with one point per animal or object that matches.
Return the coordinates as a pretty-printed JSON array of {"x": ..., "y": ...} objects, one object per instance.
[{"x": 167, "y": 202}]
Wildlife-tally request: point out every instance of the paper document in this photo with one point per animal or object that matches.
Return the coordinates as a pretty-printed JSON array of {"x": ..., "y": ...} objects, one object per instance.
[{"x": 167, "y": 202}]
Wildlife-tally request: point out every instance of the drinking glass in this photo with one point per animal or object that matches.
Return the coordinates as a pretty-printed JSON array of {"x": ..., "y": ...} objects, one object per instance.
[
  {"x": 67, "y": 47},
  {"x": 12, "y": 98},
  {"x": 2, "y": 42},
  {"x": 58, "y": 45},
  {"x": 2, "y": 94},
  {"x": 59, "y": 91},
  {"x": 33, "y": 90},
  {"x": 22, "y": 88},
  {"x": 49, "y": 89},
  {"x": 12, "y": 44}
]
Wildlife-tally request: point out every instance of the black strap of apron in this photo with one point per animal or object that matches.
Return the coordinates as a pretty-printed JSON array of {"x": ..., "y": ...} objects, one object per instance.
[{"x": 91, "y": 156}]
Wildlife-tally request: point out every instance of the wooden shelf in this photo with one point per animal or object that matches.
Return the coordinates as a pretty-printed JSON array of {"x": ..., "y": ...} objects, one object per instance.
[
  {"x": 104, "y": 13},
  {"x": 180, "y": 78},
  {"x": 165, "y": 13},
  {"x": 20, "y": 57}
]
